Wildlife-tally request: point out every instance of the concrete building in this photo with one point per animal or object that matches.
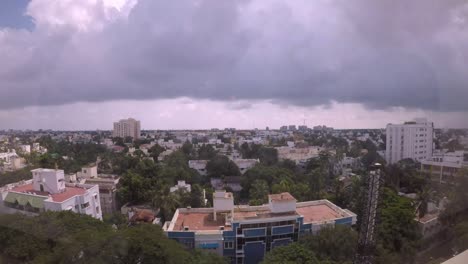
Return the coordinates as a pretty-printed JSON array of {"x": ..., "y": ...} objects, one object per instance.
[
  {"x": 298, "y": 154},
  {"x": 107, "y": 191},
  {"x": 5, "y": 157},
  {"x": 323, "y": 128},
  {"x": 244, "y": 234},
  {"x": 411, "y": 140},
  {"x": 444, "y": 166},
  {"x": 127, "y": 128},
  {"x": 47, "y": 191},
  {"x": 36, "y": 147},
  {"x": 89, "y": 171},
  {"x": 199, "y": 166},
  {"x": 429, "y": 224},
  {"x": 245, "y": 164},
  {"x": 25, "y": 148},
  {"x": 181, "y": 185},
  {"x": 233, "y": 182}
]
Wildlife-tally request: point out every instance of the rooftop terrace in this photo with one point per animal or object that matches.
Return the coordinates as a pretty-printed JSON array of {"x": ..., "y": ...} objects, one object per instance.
[
  {"x": 201, "y": 219},
  {"x": 57, "y": 197}
]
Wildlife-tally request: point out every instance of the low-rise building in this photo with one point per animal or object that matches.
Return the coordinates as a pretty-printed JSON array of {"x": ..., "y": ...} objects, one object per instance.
[
  {"x": 25, "y": 148},
  {"x": 5, "y": 157},
  {"x": 298, "y": 154},
  {"x": 162, "y": 156},
  {"x": 199, "y": 166},
  {"x": 181, "y": 185},
  {"x": 233, "y": 182},
  {"x": 444, "y": 166},
  {"x": 107, "y": 191},
  {"x": 244, "y": 234},
  {"x": 36, "y": 147},
  {"x": 245, "y": 164},
  {"x": 48, "y": 191},
  {"x": 89, "y": 171}
]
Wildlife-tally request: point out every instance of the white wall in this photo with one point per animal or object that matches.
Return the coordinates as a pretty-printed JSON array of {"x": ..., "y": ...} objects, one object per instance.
[
  {"x": 282, "y": 206},
  {"x": 53, "y": 181},
  {"x": 414, "y": 141}
]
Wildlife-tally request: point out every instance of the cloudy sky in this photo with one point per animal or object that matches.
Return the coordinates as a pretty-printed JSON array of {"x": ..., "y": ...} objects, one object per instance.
[{"x": 72, "y": 64}]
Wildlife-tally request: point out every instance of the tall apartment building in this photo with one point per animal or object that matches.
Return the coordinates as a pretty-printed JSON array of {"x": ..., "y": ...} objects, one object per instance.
[
  {"x": 413, "y": 140},
  {"x": 127, "y": 128},
  {"x": 48, "y": 191},
  {"x": 244, "y": 234}
]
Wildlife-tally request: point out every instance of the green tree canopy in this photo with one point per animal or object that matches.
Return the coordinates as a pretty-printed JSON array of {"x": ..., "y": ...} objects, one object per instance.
[
  {"x": 221, "y": 165},
  {"x": 66, "y": 237},
  {"x": 291, "y": 254}
]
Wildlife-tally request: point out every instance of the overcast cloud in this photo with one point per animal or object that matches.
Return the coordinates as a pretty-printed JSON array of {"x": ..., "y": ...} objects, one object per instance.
[{"x": 381, "y": 54}]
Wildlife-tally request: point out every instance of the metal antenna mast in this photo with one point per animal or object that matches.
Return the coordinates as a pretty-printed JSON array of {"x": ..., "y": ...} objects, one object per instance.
[{"x": 366, "y": 240}]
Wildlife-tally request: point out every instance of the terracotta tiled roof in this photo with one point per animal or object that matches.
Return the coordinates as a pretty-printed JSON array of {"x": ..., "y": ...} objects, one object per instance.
[{"x": 57, "y": 197}]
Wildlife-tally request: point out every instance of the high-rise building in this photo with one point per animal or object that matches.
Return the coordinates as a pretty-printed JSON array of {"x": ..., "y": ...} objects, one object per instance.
[
  {"x": 127, "y": 128},
  {"x": 411, "y": 140}
]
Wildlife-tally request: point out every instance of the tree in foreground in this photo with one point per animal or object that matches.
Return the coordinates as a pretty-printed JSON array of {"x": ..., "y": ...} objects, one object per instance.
[
  {"x": 66, "y": 237},
  {"x": 291, "y": 254}
]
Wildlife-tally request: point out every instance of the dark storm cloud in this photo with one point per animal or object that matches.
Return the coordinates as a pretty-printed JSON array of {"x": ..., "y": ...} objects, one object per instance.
[{"x": 379, "y": 53}]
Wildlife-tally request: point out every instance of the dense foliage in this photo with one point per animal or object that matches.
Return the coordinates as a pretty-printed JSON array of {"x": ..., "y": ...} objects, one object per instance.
[
  {"x": 66, "y": 237},
  {"x": 330, "y": 245}
]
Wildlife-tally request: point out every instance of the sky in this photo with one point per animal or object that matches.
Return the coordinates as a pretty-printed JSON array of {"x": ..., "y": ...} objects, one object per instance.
[{"x": 80, "y": 65}]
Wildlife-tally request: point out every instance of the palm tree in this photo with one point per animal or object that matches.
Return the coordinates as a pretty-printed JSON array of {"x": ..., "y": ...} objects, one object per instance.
[
  {"x": 423, "y": 198},
  {"x": 165, "y": 201}
]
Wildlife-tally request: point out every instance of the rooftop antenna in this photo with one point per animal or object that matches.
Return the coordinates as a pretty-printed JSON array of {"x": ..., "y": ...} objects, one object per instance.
[{"x": 366, "y": 240}]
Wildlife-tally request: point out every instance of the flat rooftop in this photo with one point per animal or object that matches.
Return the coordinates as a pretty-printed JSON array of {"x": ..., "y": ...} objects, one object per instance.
[
  {"x": 46, "y": 170},
  {"x": 281, "y": 197},
  {"x": 317, "y": 213},
  {"x": 57, "y": 197},
  {"x": 428, "y": 217},
  {"x": 260, "y": 214},
  {"x": 199, "y": 221}
]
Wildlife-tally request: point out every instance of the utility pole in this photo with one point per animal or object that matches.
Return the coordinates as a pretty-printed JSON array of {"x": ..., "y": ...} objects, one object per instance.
[{"x": 366, "y": 241}]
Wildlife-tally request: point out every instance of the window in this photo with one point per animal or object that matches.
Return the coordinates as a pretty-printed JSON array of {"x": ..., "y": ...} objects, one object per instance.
[
  {"x": 228, "y": 244},
  {"x": 85, "y": 205}
]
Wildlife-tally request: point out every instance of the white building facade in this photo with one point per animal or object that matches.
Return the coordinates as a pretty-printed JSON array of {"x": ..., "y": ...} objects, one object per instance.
[
  {"x": 127, "y": 128},
  {"x": 411, "y": 140},
  {"x": 47, "y": 191}
]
